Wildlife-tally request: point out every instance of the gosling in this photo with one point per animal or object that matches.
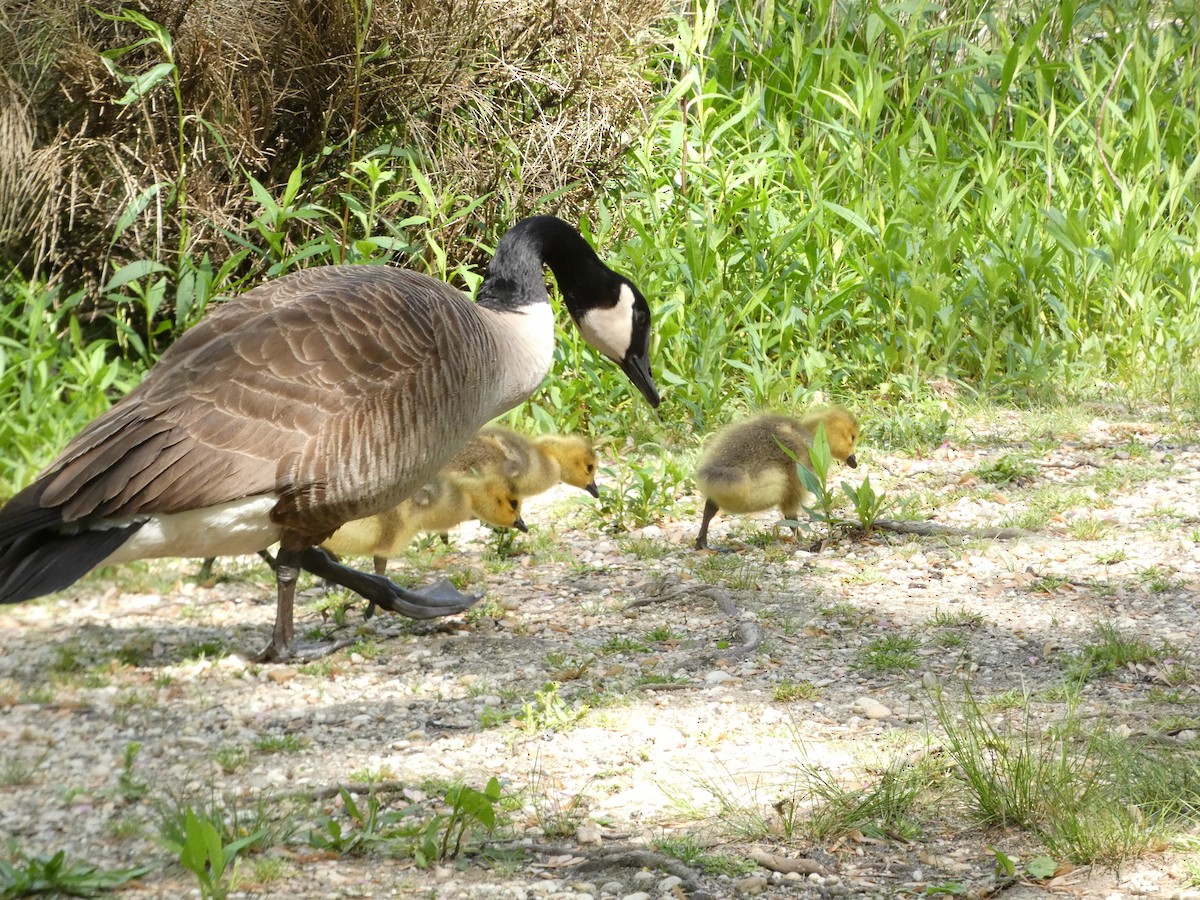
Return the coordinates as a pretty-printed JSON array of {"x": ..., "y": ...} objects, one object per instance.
[
  {"x": 745, "y": 469},
  {"x": 534, "y": 465},
  {"x": 449, "y": 500}
]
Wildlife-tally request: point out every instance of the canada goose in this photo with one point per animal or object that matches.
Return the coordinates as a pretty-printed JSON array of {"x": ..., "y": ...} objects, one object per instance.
[
  {"x": 327, "y": 395},
  {"x": 448, "y": 500},
  {"x": 535, "y": 465},
  {"x": 745, "y": 469}
]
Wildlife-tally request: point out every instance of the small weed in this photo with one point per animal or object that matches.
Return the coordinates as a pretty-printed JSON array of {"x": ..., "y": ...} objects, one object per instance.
[
  {"x": 487, "y": 609},
  {"x": 867, "y": 505},
  {"x": 38, "y": 694},
  {"x": 277, "y": 743},
  {"x": 881, "y": 809},
  {"x": 1111, "y": 651},
  {"x": 557, "y": 816},
  {"x": 1156, "y": 580},
  {"x": 549, "y": 711},
  {"x": 366, "y": 649},
  {"x": 231, "y": 759},
  {"x": 1007, "y": 469},
  {"x": 1089, "y": 528},
  {"x": 321, "y": 668},
  {"x": 367, "y": 824},
  {"x": 204, "y": 651},
  {"x": 846, "y": 614},
  {"x": 1005, "y": 701},
  {"x": 15, "y": 771},
  {"x": 469, "y": 808},
  {"x": 269, "y": 820},
  {"x": 1111, "y": 557},
  {"x": 959, "y": 618},
  {"x": 622, "y": 644},
  {"x": 563, "y": 667},
  {"x": 1047, "y": 584},
  {"x": 372, "y": 776},
  {"x": 28, "y": 876},
  {"x": 69, "y": 657},
  {"x": 687, "y": 850},
  {"x": 269, "y": 870},
  {"x": 333, "y": 606},
  {"x": 130, "y": 788},
  {"x": 892, "y": 653},
  {"x": 204, "y": 852},
  {"x": 661, "y": 634},
  {"x": 790, "y": 691}
]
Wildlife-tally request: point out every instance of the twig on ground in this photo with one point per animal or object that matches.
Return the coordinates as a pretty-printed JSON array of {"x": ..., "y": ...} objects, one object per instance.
[
  {"x": 928, "y": 529},
  {"x": 787, "y": 864},
  {"x": 622, "y": 858}
]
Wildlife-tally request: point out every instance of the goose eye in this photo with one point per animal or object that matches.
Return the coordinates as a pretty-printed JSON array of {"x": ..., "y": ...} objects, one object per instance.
[{"x": 512, "y": 504}]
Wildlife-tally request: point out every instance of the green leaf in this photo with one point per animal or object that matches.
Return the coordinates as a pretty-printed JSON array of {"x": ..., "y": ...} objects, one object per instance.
[
  {"x": 1042, "y": 867},
  {"x": 1004, "y": 866},
  {"x": 144, "y": 83},
  {"x": 132, "y": 272}
]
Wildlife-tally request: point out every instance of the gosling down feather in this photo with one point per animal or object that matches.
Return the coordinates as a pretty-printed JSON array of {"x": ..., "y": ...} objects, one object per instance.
[
  {"x": 535, "y": 465},
  {"x": 448, "y": 500},
  {"x": 745, "y": 468},
  {"x": 327, "y": 395}
]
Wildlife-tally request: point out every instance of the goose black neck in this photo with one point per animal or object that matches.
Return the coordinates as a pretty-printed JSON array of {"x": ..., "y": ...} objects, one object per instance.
[{"x": 514, "y": 276}]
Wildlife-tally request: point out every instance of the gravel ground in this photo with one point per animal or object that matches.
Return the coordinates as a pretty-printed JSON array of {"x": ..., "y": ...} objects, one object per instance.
[{"x": 694, "y": 690}]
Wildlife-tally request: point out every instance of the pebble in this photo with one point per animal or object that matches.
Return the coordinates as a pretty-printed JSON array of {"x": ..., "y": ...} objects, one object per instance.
[
  {"x": 871, "y": 708},
  {"x": 751, "y": 885},
  {"x": 413, "y": 712}
]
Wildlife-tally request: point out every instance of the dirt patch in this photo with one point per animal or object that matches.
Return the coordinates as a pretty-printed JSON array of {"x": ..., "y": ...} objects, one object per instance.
[{"x": 628, "y": 691}]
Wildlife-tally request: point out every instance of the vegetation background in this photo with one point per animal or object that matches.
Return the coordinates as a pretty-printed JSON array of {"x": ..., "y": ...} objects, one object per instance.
[
  {"x": 860, "y": 198},
  {"x": 885, "y": 203}
]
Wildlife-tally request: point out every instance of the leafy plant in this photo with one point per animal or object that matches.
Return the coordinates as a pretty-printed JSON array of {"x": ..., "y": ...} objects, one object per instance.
[
  {"x": 204, "y": 852},
  {"x": 368, "y": 824},
  {"x": 54, "y": 875},
  {"x": 867, "y": 504},
  {"x": 468, "y": 808},
  {"x": 129, "y": 786},
  {"x": 548, "y": 711}
]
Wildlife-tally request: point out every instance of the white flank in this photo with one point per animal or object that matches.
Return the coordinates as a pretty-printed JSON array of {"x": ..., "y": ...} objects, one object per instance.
[
  {"x": 229, "y": 529},
  {"x": 610, "y": 330},
  {"x": 526, "y": 344}
]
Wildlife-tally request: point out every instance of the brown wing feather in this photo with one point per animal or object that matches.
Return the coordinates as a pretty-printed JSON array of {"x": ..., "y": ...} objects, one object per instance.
[{"x": 317, "y": 386}]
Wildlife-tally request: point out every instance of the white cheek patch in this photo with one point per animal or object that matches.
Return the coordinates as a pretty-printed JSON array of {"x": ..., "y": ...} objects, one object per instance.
[{"x": 610, "y": 330}]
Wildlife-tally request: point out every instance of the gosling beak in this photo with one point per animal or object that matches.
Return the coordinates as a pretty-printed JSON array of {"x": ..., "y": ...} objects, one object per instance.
[
  {"x": 521, "y": 526},
  {"x": 851, "y": 461},
  {"x": 593, "y": 490}
]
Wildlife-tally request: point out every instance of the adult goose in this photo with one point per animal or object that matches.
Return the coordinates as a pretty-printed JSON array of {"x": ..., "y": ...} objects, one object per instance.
[{"x": 324, "y": 396}]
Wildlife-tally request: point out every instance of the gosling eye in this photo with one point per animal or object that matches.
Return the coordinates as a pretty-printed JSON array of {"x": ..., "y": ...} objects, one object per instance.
[{"x": 512, "y": 504}]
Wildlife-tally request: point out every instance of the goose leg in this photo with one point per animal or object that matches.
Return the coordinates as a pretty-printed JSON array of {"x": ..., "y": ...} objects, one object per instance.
[
  {"x": 283, "y": 634},
  {"x": 710, "y": 510},
  {"x": 380, "y": 563},
  {"x": 440, "y": 599},
  {"x": 283, "y": 645}
]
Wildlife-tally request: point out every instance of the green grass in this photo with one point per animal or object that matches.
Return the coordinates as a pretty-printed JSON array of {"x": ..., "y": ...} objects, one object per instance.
[
  {"x": 892, "y": 653},
  {"x": 775, "y": 209},
  {"x": 1087, "y": 794}
]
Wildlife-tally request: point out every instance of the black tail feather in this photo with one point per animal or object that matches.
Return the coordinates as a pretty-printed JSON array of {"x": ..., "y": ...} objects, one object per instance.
[{"x": 45, "y": 561}]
